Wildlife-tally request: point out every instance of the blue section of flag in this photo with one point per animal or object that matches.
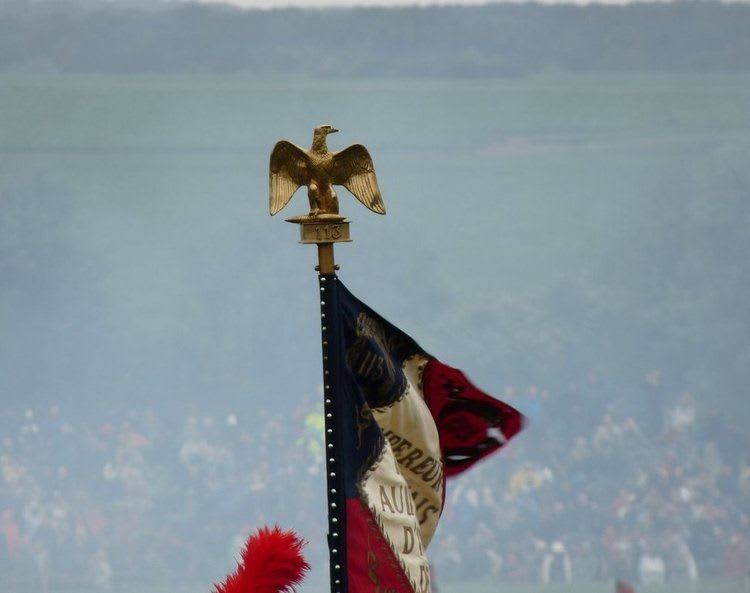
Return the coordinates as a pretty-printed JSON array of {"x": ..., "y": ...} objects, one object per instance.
[{"x": 368, "y": 374}]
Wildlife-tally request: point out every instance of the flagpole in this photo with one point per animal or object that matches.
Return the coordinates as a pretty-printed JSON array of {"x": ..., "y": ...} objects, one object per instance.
[
  {"x": 324, "y": 232},
  {"x": 290, "y": 167},
  {"x": 330, "y": 350}
]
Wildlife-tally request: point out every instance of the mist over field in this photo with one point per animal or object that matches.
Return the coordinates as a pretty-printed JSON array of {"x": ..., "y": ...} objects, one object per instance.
[
  {"x": 562, "y": 225},
  {"x": 568, "y": 226}
]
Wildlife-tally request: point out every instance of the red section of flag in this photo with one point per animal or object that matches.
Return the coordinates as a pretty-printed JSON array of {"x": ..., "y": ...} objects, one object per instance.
[
  {"x": 471, "y": 423},
  {"x": 272, "y": 562},
  {"x": 623, "y": 587},
  {"x": 372, "y": 565}
]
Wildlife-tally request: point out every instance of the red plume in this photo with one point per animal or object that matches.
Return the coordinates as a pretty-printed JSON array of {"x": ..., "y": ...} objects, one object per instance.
[{"x": 272, "y": 562}]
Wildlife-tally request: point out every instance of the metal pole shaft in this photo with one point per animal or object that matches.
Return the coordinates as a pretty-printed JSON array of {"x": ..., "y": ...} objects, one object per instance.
[
  {"x": 326, "y": 263},
  {"x": 332, "y": 351}
]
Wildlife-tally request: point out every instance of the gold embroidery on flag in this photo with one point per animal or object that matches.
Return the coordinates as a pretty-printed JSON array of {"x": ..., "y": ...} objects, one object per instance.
[
  {"x": 371, "y": 358},
  {"x": 418, "y": 456},
  {"x": 385, "y": 492}
]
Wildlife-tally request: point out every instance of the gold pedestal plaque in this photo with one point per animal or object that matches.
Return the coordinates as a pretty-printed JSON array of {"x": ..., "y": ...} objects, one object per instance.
[
  {"x": 322, "y": 229},
  {"x": 326, "y": 232}
]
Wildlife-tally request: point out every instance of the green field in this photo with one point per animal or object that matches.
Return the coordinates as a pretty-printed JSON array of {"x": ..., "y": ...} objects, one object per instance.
[{"x": 148, "y": 189}]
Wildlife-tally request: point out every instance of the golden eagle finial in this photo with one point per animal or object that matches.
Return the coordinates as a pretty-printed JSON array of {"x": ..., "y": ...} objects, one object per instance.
[{"x": 320, "y": 170}]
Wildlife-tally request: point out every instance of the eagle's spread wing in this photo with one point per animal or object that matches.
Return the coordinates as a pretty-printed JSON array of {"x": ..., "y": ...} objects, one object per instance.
[
  {"x": 353, "y": 168},
  {"x": 289, "y": 170}
]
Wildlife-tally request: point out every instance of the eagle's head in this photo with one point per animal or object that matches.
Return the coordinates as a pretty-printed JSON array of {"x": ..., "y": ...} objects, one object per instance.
[
  {"x": 319, "y": 138},
  {"x": 325, "y": 130}
]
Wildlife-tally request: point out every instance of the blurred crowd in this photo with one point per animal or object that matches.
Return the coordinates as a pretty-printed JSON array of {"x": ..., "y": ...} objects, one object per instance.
[
  {"x": 150, "y": 497},
  {"x": 644, "y": 486}
]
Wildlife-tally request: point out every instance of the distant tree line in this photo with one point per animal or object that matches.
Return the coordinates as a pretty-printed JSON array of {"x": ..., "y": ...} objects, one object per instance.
[{"x": 494, "y": 40}]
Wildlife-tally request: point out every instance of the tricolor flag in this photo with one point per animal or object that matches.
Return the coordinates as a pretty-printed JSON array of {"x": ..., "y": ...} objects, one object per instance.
[{"x": 398, "y": 422}]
